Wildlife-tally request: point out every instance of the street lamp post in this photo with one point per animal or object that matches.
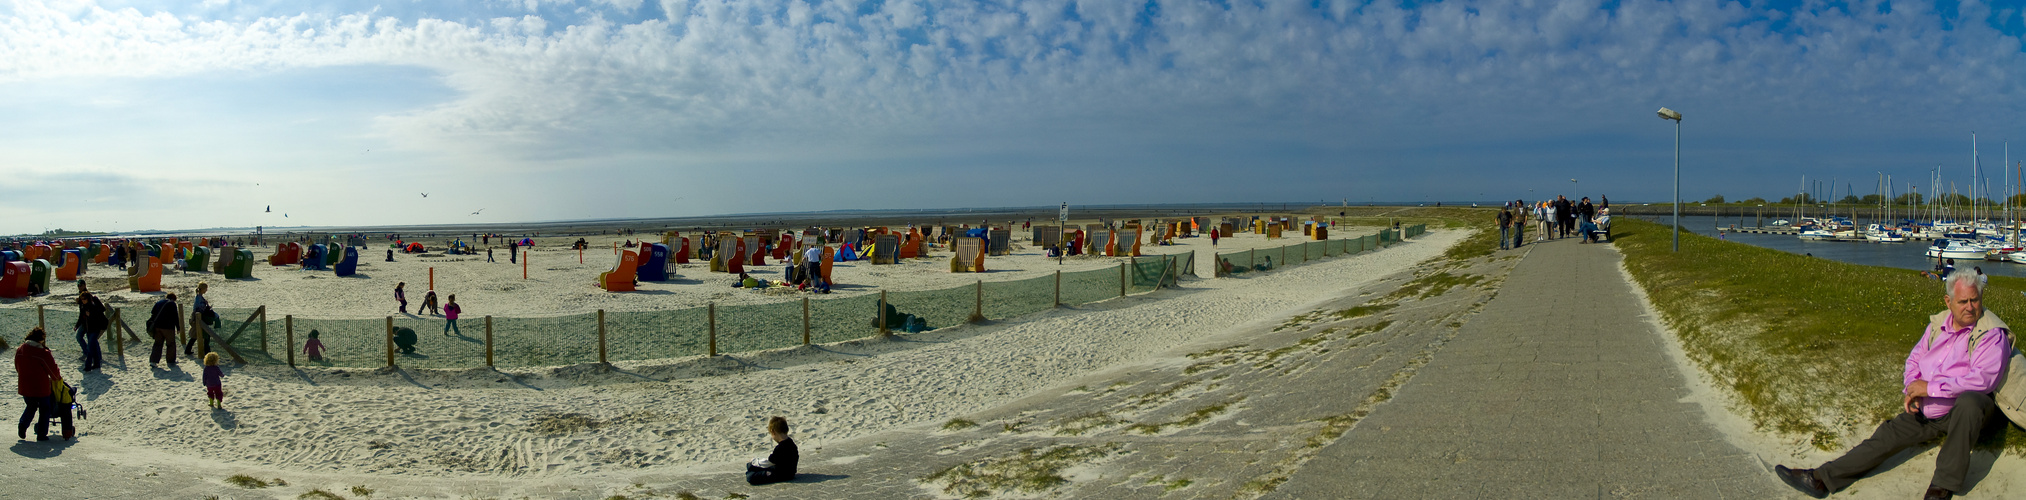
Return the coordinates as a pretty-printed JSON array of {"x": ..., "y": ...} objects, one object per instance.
[{"x": 1669, "y": 114}]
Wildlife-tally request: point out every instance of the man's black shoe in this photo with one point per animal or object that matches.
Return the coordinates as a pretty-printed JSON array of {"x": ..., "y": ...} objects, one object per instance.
[
  {"x": 1802, "y": 479},
  {"x": 1938, "y": 493}
]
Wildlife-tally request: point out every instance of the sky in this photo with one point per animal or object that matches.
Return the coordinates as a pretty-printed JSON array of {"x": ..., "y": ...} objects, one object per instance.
[{"x": 129, "y": 115}]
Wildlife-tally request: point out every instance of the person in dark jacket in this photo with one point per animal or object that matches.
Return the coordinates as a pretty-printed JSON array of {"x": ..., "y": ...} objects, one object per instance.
[
  {"x": 201, "y": 309},
  {"x": 162, "y": 323},
  {"x": 91, "y": 324},
  {"x": 37, "y": 372},
  {"x": 779, "y": 466}
]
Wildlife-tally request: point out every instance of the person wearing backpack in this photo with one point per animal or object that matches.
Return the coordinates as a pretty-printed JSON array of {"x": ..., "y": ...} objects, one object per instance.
[
  {"x": 38, "y": 375},
  {"x": 1948, "y": 379}
]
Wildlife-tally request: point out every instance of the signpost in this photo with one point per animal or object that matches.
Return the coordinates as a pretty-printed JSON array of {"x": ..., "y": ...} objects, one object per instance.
[{"x": 1061, "y": 221}]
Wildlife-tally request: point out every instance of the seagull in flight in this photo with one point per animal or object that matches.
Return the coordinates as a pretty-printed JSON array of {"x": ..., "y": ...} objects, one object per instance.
[
  {"x": 479, "y": 210},
  {"x": 270, "y": 208},
  {"x": 425, "y": 195}
]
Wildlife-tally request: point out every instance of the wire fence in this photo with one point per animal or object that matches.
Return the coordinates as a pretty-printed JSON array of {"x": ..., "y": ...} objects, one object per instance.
[
  {"x": 1267, "y": 259},
  {"x": 254, "y": 336}
]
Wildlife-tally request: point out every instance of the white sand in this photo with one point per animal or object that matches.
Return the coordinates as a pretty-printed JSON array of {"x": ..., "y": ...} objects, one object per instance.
[
  {"x": 557, "y": 284},
  {"x": 679, "y": 414}
]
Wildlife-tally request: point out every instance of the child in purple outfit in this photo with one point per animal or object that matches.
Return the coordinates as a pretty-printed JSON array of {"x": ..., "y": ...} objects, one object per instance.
[
  {"x": 314, "y": 348},
  {"x": 450, "y": 311},
  {"x": 401, "y": 295},
  {"x": 214, "y": 381}
]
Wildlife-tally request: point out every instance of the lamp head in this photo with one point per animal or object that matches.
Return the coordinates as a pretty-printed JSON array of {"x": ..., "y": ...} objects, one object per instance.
[{"x": 1669, "y": 114}]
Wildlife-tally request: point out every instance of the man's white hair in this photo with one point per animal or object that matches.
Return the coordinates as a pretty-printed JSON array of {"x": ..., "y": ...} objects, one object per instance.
[{"x": 1957, "y": 279}]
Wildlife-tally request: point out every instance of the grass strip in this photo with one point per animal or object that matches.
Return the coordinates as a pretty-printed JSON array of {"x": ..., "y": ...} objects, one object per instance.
[{"x": 1812, "y": 348}]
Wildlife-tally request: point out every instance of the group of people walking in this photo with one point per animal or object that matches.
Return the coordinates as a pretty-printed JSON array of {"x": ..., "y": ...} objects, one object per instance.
[{"x": 1552, "y": 220}]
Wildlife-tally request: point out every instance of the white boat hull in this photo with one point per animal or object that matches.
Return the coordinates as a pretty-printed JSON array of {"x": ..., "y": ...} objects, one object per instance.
[{"x": 1964, "y": 254}]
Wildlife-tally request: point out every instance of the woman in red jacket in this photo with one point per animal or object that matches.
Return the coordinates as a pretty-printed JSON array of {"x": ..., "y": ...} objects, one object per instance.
[{"x": 38, "y": 372}]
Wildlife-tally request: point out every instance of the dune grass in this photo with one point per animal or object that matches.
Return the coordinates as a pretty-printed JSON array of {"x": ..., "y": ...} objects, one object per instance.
[{"x": 1812, "y": 348}]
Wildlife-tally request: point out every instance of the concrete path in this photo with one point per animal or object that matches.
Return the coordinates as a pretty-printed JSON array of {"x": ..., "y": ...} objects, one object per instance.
[{"x": 1559, "y": 388}]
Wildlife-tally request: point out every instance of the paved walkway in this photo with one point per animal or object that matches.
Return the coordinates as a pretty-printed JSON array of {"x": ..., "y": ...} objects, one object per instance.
[{"x": 1559, "y": 388}]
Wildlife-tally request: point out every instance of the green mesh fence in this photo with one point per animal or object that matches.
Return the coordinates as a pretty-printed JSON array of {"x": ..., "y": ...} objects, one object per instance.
[
  {"x": 1083, "y": 287},
  {"x": 1152, "y": 272},
  {"x": 659, "y": 334},
  {"x": 560, "y": 340},
  {"x": 1232, "y": 263},
  {"x": 940, "y": 308},
  {"x": 1006, "y": 299},
  {"x": 836, "y": 320},
  {"x": 752, "y": 327}
]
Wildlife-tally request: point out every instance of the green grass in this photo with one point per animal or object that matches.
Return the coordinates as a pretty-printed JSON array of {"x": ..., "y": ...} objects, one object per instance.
[
  {"x": 1193, "y": 419},
  {"x": 1813, "y": 348},
  {"x": 1030, "y": 471},
  {"x": 958, "y": 424},
  {"x": 362, "y": 490},
  {"x": 318, "y": 495},
  {"x": 245, "y": 481}
]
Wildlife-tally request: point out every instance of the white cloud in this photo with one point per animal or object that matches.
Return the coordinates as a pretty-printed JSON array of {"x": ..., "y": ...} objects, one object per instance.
[{"x": 805, "y": 82}]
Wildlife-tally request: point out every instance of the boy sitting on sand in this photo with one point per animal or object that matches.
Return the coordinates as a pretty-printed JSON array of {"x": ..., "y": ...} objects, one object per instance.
[{"x": 779, "y": 466}]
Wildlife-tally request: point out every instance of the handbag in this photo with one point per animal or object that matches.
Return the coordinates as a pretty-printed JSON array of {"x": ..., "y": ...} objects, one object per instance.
[{"x": 62, "y": 391}]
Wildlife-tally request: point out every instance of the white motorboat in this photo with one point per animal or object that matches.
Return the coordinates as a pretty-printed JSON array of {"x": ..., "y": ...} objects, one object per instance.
[
  {"x": 1818, "y": 233},
  {"x": 2018, "y": 257},
  {"x": 1958, "y": 249}
]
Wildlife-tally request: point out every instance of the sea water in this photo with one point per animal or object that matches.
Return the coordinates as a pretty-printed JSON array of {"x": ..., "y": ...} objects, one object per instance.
[{"x": 1908, "y": 255}]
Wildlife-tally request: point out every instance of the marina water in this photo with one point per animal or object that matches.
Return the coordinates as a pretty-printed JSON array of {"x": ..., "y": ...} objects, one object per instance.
[{"x": 1909, "y": 255}]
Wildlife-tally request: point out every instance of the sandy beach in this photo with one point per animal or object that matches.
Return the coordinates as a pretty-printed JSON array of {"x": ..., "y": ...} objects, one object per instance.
[{"x": 686, "y": 413}]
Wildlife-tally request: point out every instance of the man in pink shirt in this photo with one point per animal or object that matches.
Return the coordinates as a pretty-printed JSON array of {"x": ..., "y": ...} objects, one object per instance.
[{"x": 1948, "y": 380}]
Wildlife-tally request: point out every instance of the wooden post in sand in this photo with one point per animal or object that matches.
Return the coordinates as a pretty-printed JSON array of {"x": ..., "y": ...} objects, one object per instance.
[
  {"x": 288, "y": 328},
  {"x": 580, "y": 256},
  {"x": 488, "y": 341},
  {"x": 882, "y": 314},
  {"x": 39, "y": 318},
  {"x": 978, "y": 308},
  {"x": 1058, "y": 288},
  {"x": 1122, "y": 279},
  {"x": 432, "y": 278},
  {"x": 524, "y": 264},
  {"x": 713, "y": 329},
  {"x": 263, "y": 328},
  {"x": 119, "y": 341},
  {"x": 390, "y": 341},
  {"x": 805, "y": 321},
  {"x": 601, "y": 337},
  {"x": 181, "y": 336}
]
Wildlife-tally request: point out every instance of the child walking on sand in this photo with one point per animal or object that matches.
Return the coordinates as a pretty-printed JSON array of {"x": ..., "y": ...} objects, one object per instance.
[
  {"x": 401, "y": 295},
  {"x": 214, "y": 381},
  {"x": 314, "y": 348},
  {"x": 450, "y": 311}
]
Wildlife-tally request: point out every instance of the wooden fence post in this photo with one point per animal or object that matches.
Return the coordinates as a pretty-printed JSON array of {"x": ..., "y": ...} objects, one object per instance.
[
  {"x": 119, "y": 341},
  {"x": 805, "y": 321},
  {"x": 882, "y": 314},
  {"x": 263, "y": 329},
  {"x": 181, "y": 336},
  {"x": 488, "y": 341},
  {"x": 1058, "y": 288},
  {"x": 288, "y": 328},
  {"x": 714, "y": 329},
  {"x": 601, "y": 337},
  {"x": 1122, "y": 279},
  {"x": 390, "y": 341},
  {"x": 978, "y": 308},
  {"x": 39, "y": 323}
]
